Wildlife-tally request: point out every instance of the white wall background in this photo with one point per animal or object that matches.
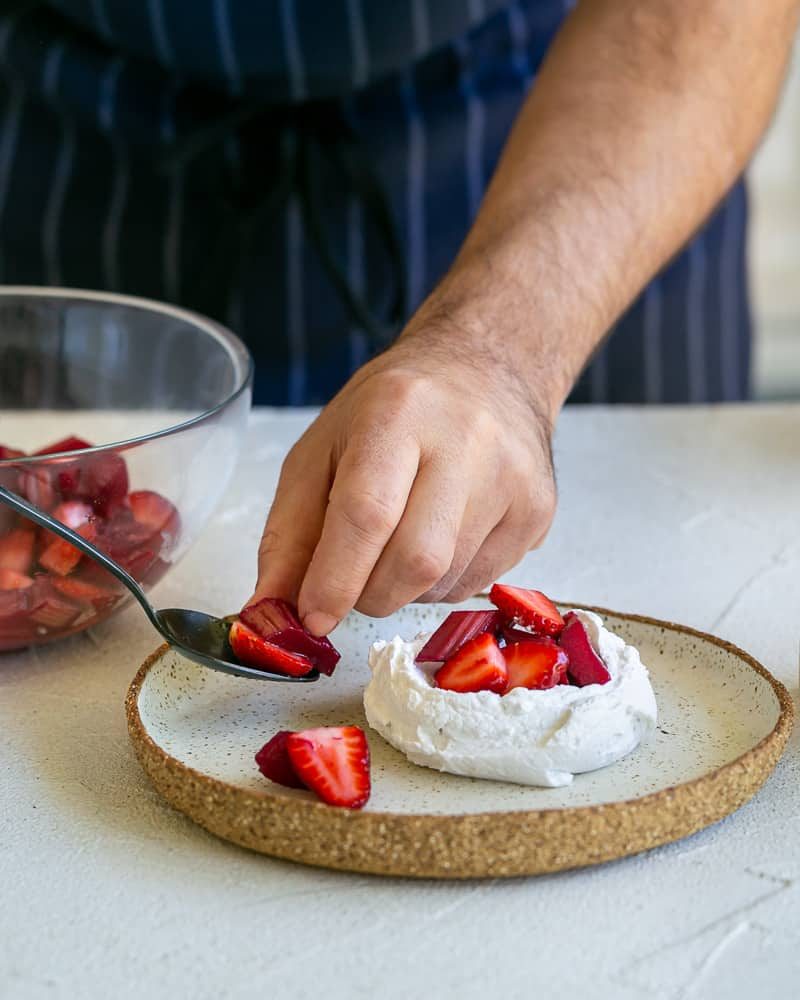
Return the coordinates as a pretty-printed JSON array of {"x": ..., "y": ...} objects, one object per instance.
[{"x": 775, "y": 249}]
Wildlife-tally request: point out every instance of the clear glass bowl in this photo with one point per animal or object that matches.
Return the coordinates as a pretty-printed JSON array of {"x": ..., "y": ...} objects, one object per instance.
[{"x": 160, "y": 394}]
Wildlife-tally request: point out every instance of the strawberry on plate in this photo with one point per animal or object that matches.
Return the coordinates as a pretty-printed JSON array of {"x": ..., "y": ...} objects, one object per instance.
[
  {"x": 585, "y": 665},
  {"x": 535, "y": 664},
  {"x": 274, "y": 762},
  {"x": 479, "y": 665},
  {"x": 527, "y": 607},
  {"x": 333, "y": 762},
  {"x": 253, "y": 651}
]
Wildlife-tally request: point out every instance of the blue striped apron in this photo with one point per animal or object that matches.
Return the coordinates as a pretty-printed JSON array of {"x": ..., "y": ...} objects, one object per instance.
[{"x": 306, "y": 171}]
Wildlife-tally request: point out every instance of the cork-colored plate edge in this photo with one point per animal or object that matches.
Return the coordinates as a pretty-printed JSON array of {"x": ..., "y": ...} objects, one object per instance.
[{"x": 528, "y": 842}]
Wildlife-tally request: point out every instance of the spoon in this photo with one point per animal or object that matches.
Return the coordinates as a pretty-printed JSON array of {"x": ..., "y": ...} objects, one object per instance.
[{"x": 198, "y": 636}]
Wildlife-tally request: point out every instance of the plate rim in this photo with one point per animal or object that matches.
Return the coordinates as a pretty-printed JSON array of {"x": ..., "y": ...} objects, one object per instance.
[{"x": 756, "y": 764}]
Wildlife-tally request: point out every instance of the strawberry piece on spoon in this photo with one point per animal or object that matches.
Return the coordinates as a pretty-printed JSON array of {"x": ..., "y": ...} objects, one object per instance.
[
  {"x": 478, "y": 666},
  {"x": 277, "y": 621},
  {"x": 333, "y": 762},
  {"x": 527, "y": 607},
  {"x": 535, "y": 664},
  {"x": 585, "y": 666},
  {"x": 254, "y": 651},
  {"x": 458, "y": 628}
]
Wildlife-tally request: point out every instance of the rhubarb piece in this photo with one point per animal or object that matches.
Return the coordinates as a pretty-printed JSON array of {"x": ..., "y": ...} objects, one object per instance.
[
  {"x": 527, "y": 607},
  {"x": 277, "y": 621},
  {"x": 70, "y": 443},
  {"x": 334, "y": 763},
  {"x": 274, "y": 762},
  {"x": 49, "y": 609},
  {"x": 154, "y": 511},
  {"x": 37, "y": 485},
  {"x": 535, "y": 664},
  {"x": 458, "y": 628},
  {"x": 478, "y": 666},
  {"x": 104, "y": 481},
  {"x": 86, "y": 592},
  {"x": 7, "y": 453},
  {"x": 61, "y": 557},
  {"x": 253, "y": 651},
  {"x": 16, "y": 550},
  {"x": 10, "y": 579},
  {"x": 585, "y": 665}
]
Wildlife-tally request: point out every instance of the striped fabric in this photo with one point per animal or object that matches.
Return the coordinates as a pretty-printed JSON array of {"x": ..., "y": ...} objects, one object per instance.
[{"x": 96, "y": 96}]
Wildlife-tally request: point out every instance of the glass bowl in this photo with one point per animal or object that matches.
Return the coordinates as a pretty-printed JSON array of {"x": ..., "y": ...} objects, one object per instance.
[{"x": 122, "y": 417}]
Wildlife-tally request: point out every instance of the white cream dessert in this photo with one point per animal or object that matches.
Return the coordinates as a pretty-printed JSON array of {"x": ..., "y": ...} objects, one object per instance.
[{"x": 531, "y": 737}]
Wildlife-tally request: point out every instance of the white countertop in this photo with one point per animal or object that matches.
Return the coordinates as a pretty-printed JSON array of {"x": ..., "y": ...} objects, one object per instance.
[{"x": 689, "y": 515}]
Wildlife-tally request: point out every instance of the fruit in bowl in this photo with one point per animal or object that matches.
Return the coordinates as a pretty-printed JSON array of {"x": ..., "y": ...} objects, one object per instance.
[{"x": 167, "y": 394}]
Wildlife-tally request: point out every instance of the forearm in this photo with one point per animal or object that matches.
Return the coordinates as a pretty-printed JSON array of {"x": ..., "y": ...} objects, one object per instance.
[{"x": 642, "y": 116}]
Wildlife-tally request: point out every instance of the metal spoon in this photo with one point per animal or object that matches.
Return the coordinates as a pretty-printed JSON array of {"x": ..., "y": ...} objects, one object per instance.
[{"x": 198, "y": 636}]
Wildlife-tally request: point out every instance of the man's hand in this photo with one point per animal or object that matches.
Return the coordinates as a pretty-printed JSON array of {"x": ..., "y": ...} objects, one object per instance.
[{"x": 428, "y": 476}]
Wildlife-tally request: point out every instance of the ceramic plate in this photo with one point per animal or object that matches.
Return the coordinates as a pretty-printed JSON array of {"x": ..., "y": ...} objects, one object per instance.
[{"x": 723, "y": 723}]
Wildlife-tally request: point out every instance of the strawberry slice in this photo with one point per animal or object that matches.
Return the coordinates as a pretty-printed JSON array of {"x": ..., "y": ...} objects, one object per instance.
[
  {"x": 16, "y": 550},
  {"x": 528, "y": 607},
  {"x": 277, "y": 621},
  {"x": 73, "y": 513},
  {"x": 274, "y": 762},
  {"x": 535, "y": 663},
  {"x": 104, "y": 481},
  {"x": 70, "y": 443},
  {"x": 458, "y": 628},
  {"x": 7, "y": 453},
  {"x": 60, "y": 557},
  {"x": 154, "y": 511},
  {"x": 333, "y": 762},
  {"x": 10, "y": 579},
  {"x": 585, "y": 665},
  {"x": 478, "y": 666},
  {"x": 253, "y": 651}
]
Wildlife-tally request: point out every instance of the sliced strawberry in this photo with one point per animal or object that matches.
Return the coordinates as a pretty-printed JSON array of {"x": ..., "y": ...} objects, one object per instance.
[
  {"x": 277, "y": 621},
  {"x": 585, "y": 665},
  {"x": 333, "y": 762},
  {"x": 16, "y": 549},
  {"x": 154, "y": 511},
  {"x": 10, "y": 579},
  {"x": 7, "y": 453},
  {"x": 61, "y": 557},
  {"x": 70, "y": 443},
  {"x": 73, "y": 513},
  {"x": 477, "y": 666},
  {"x": 535, "y": 663},
  {"x": 253, "y": 651},
  {"x": 86, "y": 592},
  {"x": 459, "y": 627},
  {"x": 49, "y": 609},
  {"x": 274, "y": 762},
  {"x": 528, "y": 607}
]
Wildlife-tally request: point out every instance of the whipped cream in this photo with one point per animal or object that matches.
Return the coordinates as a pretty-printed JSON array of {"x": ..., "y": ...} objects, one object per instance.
[{"x": 530, "y": 737}]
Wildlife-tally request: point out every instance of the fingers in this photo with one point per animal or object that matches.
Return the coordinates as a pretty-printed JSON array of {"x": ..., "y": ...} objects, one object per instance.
[
  {"x": 369, "y": 495},
  {"x": 422, "y": 548},
  {"x": 294, "y": 523}
]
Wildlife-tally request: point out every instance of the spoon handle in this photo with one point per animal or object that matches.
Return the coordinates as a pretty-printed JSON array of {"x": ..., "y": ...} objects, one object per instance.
[{"x": 33, "y": 513}]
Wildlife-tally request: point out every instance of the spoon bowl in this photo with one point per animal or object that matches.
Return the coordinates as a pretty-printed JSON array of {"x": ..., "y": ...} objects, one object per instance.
[{"x": 198, "y": 636}]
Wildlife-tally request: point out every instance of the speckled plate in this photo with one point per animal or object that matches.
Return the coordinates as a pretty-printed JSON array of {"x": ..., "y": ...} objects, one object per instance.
[{"x": 723, "y": 724}]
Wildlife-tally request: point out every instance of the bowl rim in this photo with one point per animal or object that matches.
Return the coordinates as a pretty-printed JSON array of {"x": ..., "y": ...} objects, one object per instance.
[{"x": 233, "y": 344}]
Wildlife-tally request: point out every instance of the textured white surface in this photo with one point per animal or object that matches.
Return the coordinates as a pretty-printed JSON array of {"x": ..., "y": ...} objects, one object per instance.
[{"x": 690, "y": 515}]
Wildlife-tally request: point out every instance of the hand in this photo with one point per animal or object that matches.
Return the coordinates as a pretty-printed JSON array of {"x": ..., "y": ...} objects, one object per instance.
[{"x": 426, "y": 477}]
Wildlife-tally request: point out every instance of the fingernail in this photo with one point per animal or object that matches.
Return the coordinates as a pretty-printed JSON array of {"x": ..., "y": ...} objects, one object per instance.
[{"x": 318, "y": 623}]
